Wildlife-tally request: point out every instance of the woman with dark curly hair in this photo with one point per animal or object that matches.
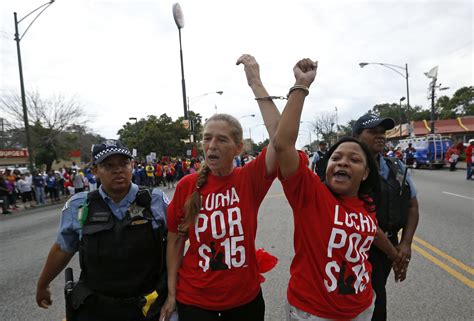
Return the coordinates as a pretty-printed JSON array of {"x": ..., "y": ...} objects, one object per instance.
[{"x": 335, "y": 222}]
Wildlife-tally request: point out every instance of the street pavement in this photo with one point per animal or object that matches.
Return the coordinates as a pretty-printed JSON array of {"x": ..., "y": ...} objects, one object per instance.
[{"x": 439, "y": 284}]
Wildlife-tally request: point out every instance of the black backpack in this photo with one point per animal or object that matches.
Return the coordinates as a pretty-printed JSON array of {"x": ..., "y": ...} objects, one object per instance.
[{"x": 393, "y": 201}]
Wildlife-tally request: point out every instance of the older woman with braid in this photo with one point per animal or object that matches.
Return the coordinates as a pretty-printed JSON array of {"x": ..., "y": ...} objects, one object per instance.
[{"x": 218, "y": 277}]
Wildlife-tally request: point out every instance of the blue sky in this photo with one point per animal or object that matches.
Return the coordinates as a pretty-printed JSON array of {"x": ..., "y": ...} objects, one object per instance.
[{"x": 120, "y": 58}]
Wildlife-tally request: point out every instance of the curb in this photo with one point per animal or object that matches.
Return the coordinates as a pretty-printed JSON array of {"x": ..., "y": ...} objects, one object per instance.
[{"x": 22, "y": 210}]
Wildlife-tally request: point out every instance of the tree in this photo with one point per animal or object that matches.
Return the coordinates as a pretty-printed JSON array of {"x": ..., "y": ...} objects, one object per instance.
[
  {"x": 323, "y": 125},
  {"x": 346, "y": 130},
  {"x": 463, "y": 101},
  {"x": 261, "y": 145},
  {"x": 85, "y": 140},
  {"x": 392, "y": 110},
  {"x": 161, "y": 135},
  {"x": 50, "y": 120}
]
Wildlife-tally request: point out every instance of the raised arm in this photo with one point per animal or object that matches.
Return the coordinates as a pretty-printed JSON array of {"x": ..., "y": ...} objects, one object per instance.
[
  {"x": 287, "y": 131},
  {"x": 268, "y": 109}
]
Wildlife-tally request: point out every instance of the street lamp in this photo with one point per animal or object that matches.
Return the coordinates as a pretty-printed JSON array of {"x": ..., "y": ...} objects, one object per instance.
[
  {"x": 404, "y": 75},
  {"x": 309, "y": 131},
  {"x": 179, "y": 20},
  {"x": 250, "y": 131},
  {"x": 3, "y": 131},
  {"x": 250, "y": 128},
  {"x": 20, "y": 68},
  {"x": 400, "y": 115},
  {"x": 250, "y": 115},
  {"x": 193, "y": 100}
]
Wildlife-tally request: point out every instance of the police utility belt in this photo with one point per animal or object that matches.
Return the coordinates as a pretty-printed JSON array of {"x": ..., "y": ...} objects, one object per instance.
[{"x": 81, "y": 293}]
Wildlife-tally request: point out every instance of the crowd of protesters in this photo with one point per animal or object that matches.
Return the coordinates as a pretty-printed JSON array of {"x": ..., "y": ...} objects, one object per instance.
[
  {"x": 54, "y": 186},
  {"x": 40, "y": 187},
  {"x": 165, "y": 172}
]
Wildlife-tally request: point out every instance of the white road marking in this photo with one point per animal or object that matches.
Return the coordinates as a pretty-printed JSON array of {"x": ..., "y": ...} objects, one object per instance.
[{"x": 469, "y": 198}]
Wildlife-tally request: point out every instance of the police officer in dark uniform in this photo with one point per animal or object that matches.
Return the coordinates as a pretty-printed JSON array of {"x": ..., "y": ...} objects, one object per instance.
[
  {"x": 120, "y": 233},
  {"x": 320, "y": 161},
  {"x": 397, "y": 208}
]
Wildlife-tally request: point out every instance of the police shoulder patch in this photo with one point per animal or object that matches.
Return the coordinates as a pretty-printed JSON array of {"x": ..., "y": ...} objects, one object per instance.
[
  {"x": 166, "y": 199},
  {"x": 66, "y": 205}
]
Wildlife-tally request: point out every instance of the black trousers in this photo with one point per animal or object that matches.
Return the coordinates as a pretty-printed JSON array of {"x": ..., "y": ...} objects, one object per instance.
[
  {"x": 252, "y": 311},
  {"x": 381, "y": 267}
]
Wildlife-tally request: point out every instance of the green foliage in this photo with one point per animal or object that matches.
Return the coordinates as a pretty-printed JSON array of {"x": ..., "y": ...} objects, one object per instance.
[
  {"x": 161, "y": 135},
  {"x": 463, "y": 101},
  {"x": 85, "y": 140},
  {"x": 51, "y": 145},
  {"x": 460, "y": 104},
  {"x": 346, "y": 130},
  {"x": 393, "y": 110},
  {"x": 258, "y": 147}
]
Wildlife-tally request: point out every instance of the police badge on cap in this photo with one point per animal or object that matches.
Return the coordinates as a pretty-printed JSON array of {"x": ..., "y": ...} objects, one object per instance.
[{"x": 108, "y": 148}]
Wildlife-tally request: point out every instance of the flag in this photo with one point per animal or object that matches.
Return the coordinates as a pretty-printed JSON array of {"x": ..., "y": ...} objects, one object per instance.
[{"x": 433, "y": 73}]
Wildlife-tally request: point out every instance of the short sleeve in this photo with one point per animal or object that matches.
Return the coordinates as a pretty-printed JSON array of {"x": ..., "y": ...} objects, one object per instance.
[
  {"x": 69, "y": 228},
  {"x": 409, "y": 180},
  {"x": 175, "y": 212},
  {"x": 300, "y": 187},
  {"x": 159, "y": 205},
  {"x": 255, "y": 172}
]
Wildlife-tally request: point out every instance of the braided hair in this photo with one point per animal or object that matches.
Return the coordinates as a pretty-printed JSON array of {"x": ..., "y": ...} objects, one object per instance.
[{"x": 192, "y": 205}]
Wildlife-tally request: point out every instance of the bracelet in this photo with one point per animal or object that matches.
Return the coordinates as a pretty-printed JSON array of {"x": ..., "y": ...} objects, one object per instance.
[
  {"x": 270, "y": 97},
  {"x": 304, "y": 88}
]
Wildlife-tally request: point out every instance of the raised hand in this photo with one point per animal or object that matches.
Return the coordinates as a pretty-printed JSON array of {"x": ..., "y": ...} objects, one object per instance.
[
  {"x": 305, "y": 71},
  {"x": 251, "y": 68}
]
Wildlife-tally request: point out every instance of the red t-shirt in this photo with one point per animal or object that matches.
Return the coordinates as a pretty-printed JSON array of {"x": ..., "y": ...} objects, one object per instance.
[
  {"x": 330, "y": 272},
  {"x": 219, "y": 270},
  {"x": 469, "y": 154}
]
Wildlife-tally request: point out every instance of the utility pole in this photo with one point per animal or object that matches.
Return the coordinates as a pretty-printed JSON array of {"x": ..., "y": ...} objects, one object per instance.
[
  {"x": 18, "y": 38},
  {"x": 3, "y": 132},
  {"x": 432, "y": 123}
]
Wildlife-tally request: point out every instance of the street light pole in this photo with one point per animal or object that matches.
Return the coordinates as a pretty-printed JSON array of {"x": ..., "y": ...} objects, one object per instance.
[
  {"x": 179, "y": 20},
  {"x": 193, "y": 100},
  {"x": 433, "y": 74},
  {"x": 404, "y": 75},
  {"x": 400, "y": 115},
  {"x": 20, "y": 68},
  {"x": 3, "y": 132},
  {"x": 408, "y": 96}
]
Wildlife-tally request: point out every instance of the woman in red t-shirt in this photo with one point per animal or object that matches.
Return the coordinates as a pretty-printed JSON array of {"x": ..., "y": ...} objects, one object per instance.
[
  {"x": 218, "y": 276},
  {"x": 335, "y": 222}
]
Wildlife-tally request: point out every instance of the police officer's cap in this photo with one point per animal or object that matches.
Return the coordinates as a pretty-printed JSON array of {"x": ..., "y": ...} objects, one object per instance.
[
  {"x": 108, "y": 148},
  {"x": 371, "y": 121}
]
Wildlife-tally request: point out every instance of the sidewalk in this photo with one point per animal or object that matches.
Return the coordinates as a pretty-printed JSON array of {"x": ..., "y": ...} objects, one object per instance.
[
  {"x": 460, "y": 165},
  {"x": 21, "y": 207}
]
